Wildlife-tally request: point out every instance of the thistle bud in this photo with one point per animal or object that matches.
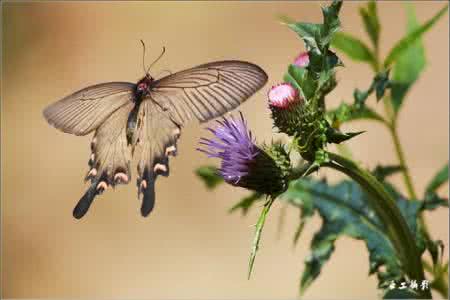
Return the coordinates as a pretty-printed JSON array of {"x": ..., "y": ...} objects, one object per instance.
[
  {"x": 285, "y": 104},
  {"x": 283, "y": 95},
  {"x": 302, "y": 60}
]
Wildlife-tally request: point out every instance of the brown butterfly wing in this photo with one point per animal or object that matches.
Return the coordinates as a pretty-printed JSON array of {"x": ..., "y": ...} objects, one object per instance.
[
  {"x": 207, "y": 91},
  {"x": 83, "y": 111}
]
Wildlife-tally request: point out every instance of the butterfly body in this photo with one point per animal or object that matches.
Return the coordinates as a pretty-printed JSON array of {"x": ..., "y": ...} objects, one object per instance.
[
  {"x": 144, "y": 121},
  {"x": 141, "y": 90}
]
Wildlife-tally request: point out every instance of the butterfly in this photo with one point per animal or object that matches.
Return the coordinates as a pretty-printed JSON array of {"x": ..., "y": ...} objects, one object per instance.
[{"x": 143, "y": 120}]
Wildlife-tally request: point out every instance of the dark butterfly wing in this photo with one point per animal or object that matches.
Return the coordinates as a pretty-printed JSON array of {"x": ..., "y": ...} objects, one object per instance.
[
  {"x": 207, "y": 91},
  {"x": 83, "y": 111},
  {"x": 110, "y": 158},
  {"x": 154, "y": 140}
]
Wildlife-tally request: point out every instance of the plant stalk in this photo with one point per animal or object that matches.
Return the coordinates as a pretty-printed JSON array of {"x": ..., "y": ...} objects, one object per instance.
[
  {"x": 406, "y": 175},
  {"x": 389, "y": 214},
  {"x": 392, "y": 126},
  {"x": 401, "y": 158}
]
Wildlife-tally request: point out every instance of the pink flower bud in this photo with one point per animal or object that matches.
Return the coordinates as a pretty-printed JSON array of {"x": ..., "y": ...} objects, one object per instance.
[
  {"x": 283, "y": 96},
  {"x": 302, "y": 60}
]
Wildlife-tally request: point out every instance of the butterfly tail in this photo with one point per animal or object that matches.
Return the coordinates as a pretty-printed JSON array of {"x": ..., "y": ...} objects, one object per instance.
[
  {"x": 146, "y": 189},
  {"x": 85, "y": 202},
  {"x": 148, "y": 199},
  {"x": 154, "y": 140}
]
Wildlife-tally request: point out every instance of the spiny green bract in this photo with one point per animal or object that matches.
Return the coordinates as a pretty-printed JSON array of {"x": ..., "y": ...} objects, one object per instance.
[{"x": 280, "y": 171}]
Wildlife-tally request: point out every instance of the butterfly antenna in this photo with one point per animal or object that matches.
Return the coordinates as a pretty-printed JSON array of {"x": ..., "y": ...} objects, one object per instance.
[
  {"x": 156, "y": 60},
  {"x": 143, "y": 56}
]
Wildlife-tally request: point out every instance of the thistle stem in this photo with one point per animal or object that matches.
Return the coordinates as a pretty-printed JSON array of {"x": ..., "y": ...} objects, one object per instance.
[
  {"x": 386, "y": 209},
  {"x": 405, "y": 171},
  {"x": 401, "y": 158},
  {"x": 392, "y": 126}
]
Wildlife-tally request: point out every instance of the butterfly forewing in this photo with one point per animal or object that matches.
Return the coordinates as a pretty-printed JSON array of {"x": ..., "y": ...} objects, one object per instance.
[
  {"x": 207, "y": 91},
  {"x": 83, "y": 111}
]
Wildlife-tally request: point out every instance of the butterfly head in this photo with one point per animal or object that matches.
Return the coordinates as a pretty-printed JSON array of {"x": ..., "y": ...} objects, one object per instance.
[{"x": 143, "y": 86}]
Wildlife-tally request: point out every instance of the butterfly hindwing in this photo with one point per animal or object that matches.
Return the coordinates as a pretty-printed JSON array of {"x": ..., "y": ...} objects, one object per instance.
[
  {"x": 110, "y": 159},
  {"x": 207, "y": 91},
  {"x": 155, "y": 139},
  {"x": 85, "y": 110}
]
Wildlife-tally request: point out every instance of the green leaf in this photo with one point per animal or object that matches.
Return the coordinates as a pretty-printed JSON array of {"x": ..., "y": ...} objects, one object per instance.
[
  {"x": 332, "y": 60},
  {"x": 371, "y": 22},
  {"x": 319, "y": 73},
  {"x": 331, "y": 22},
  {"x": 409, "y": 65},
  {"x": 310, "y": 33},
  {"x": 433, "y": 201},
  {"x": 361, "y": 96},
  {"x": 317, "y": 37},
  {"x": 347, "y": 113},
  {"x": 299, "y": 231},
  {"x": 436, "y": 249},
  {"x": 353, "y": 48},
  {"x": 209, "y": 175},
  {"x": 258, "y": 231},
  {"x": 382, "y": 172},
  {"x": 438, "y": 180},
  {"x": 405, "y": 43},
  {"x": 246, "y": 203},
  {"x": 344, "y": 211},
  {"x": 379, "y": 84},
  {"x": 326, "y": 83},
  {"x": 306, "y": 30},
  {"x": 291, "y": 79},
  {"x": 301, "y": 79}
]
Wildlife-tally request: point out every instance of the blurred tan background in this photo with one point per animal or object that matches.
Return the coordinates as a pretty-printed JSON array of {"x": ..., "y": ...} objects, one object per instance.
[{"x": 189, "y": 247}]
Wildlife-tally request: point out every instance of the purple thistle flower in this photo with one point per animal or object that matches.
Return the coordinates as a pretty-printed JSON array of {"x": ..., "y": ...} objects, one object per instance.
[
  {"x": 243, "y": 163},
  {"x": 233, "y": 144}
]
